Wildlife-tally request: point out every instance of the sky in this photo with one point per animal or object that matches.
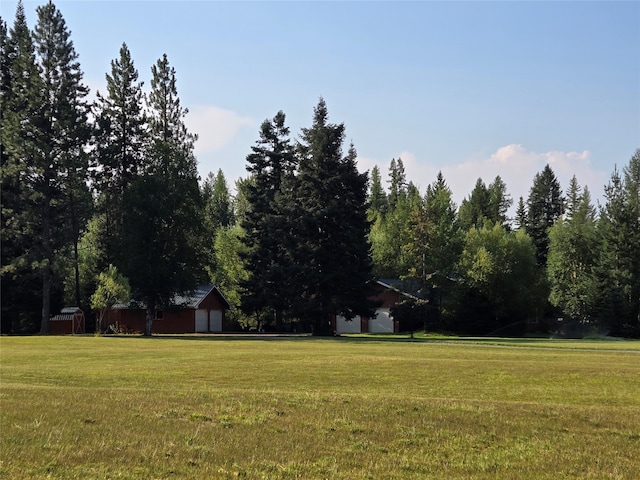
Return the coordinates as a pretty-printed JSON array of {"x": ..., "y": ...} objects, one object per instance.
[{"x": 471, "y": 89}]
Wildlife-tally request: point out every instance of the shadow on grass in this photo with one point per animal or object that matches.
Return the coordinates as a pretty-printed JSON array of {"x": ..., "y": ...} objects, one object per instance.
[
  {"x": 298, "y": 337},
  {"x": 349, "y": 338},
  {"x": 506, "y": 342}
]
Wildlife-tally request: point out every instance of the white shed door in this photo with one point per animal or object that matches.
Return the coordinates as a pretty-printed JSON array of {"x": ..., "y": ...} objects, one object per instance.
[
  {"x": 201, "y": 320},
  {"x": 215, "y": 320},
  {"x": 383, "y": 323},
  {"x": 347, "y": 326}
]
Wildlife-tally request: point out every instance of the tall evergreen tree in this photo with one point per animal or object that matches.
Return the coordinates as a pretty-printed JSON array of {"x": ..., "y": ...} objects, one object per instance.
[
  {"x": 544, "y": 206},
  {"x": 573, "y": 258},
  {"x": 67, "y": 126},
  {"x": 397, "y": 182},
  {"x": 45, "y": 130},
  {"x": 499, "y": 202},
  {"x": 5, "y": 62},
  {"x": 330, "y": 210},
  {"x": 620, "y": 270},
  {"x": 388, "y": 233},
  {"x": 485, "y": 204},
  {"x": 521, "y": 215},
  {"x": 377, "y": 196},
  {"x": 163, "y": 206},
  {"x": 268, "y": 231},
  {"x": 434, "y": 240},
  {"x": 20, "y": 134},
  {"x": 166, "y": 121},
  {"x": 474, "y": 210},
  {"x": 121, "y": 143}
]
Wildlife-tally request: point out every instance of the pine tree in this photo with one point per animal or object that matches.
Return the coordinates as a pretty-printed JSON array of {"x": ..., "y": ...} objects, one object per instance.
[
  {"x": 443, "y": 235},
  {"x": 632, "y": 191},
  {"x": 331, "y": 255},
  {"x": 163, "y": 206},
  {"x": 388, "y": 234},
  {"x": 20, "y": 137},
  {"x": 474, "y": 211},
  {"x": 121, "y": 140},
  {"x": 5, "y": 64},
  {"x": 620, "y": 268},
  {"x": 499, "y": 202},
  {"x": 521, "y": 215},
  {"x": 397, "y": 182},
  {"x": 377, "y": 196},
  {"x": 167, "y": 120},
  {"x": 544, "y": 206},
  {"x": 67, "y": 127},
  {"x": 45, "y": 130},
  {"x": 266, "y": 225},
  {"x": 574, "y": 257}
]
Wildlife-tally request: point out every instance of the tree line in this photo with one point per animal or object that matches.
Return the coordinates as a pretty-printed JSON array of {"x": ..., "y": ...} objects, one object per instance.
[{"x": 107, "y": 192}]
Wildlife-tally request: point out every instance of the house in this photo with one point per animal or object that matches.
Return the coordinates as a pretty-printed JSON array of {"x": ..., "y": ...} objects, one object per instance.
[
  {"x": 70, "y": 320},
  {"x": 388, "y": 292},
  {"x": 200, "y": 311}
]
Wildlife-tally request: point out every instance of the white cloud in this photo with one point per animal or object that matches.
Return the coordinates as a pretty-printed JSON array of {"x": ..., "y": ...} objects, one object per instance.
[
  {"x": 516, "y": 165},
  {"x": 215, "y": 127}
]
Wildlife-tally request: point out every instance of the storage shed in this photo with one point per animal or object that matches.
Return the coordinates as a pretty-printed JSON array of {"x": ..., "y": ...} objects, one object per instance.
[
  {"x": 200, "y": 311},
  {"x": 388, "y": 293},
  {"x": 70, "y": 320}
]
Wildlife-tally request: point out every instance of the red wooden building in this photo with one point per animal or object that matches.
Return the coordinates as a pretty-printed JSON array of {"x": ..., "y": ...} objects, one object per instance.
[
  {"x": 201, "y": 311},
  {"x": 389, "y": 292}
]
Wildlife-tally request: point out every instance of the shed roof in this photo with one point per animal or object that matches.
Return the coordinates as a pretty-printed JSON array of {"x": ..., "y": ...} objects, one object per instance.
[
  {"x": 195, "y": 298},
  {"x": 191, "y": 299},
  {"x": 67, "y": 310}
]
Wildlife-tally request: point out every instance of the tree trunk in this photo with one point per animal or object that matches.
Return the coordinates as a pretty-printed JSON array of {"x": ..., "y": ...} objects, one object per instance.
[
  {"x": 99, "y": 318},
  {"x": 48, "y": 262},
  {"x": 77, "y": 270},
  {"x": 151, "y": 312},
  {"x": 46, "y": 299},
  {"x": 322, "y": 326}
]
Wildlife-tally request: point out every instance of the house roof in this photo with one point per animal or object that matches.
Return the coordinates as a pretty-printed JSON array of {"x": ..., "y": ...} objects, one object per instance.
[
  {"x": 408, "y": 288},
  {"x": 413, "y": 288},
  {"x": 187, "y": 300}
]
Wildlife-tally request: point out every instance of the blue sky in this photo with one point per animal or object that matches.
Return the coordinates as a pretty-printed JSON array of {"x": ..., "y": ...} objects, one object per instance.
[{"x": 474, "y": 89}]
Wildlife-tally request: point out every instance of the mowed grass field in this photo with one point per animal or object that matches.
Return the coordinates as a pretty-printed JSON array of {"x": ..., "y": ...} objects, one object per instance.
[{"x": 199, "y": 407}]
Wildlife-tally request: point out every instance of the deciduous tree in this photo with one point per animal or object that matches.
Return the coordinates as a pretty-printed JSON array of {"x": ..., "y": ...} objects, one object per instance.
[
  {"x": 112, "y": 288},
  {"x": 498, "y": 282}
]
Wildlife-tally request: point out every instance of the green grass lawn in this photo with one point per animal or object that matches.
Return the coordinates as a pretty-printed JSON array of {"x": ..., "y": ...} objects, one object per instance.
[{"x": 355, "y": 408}]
